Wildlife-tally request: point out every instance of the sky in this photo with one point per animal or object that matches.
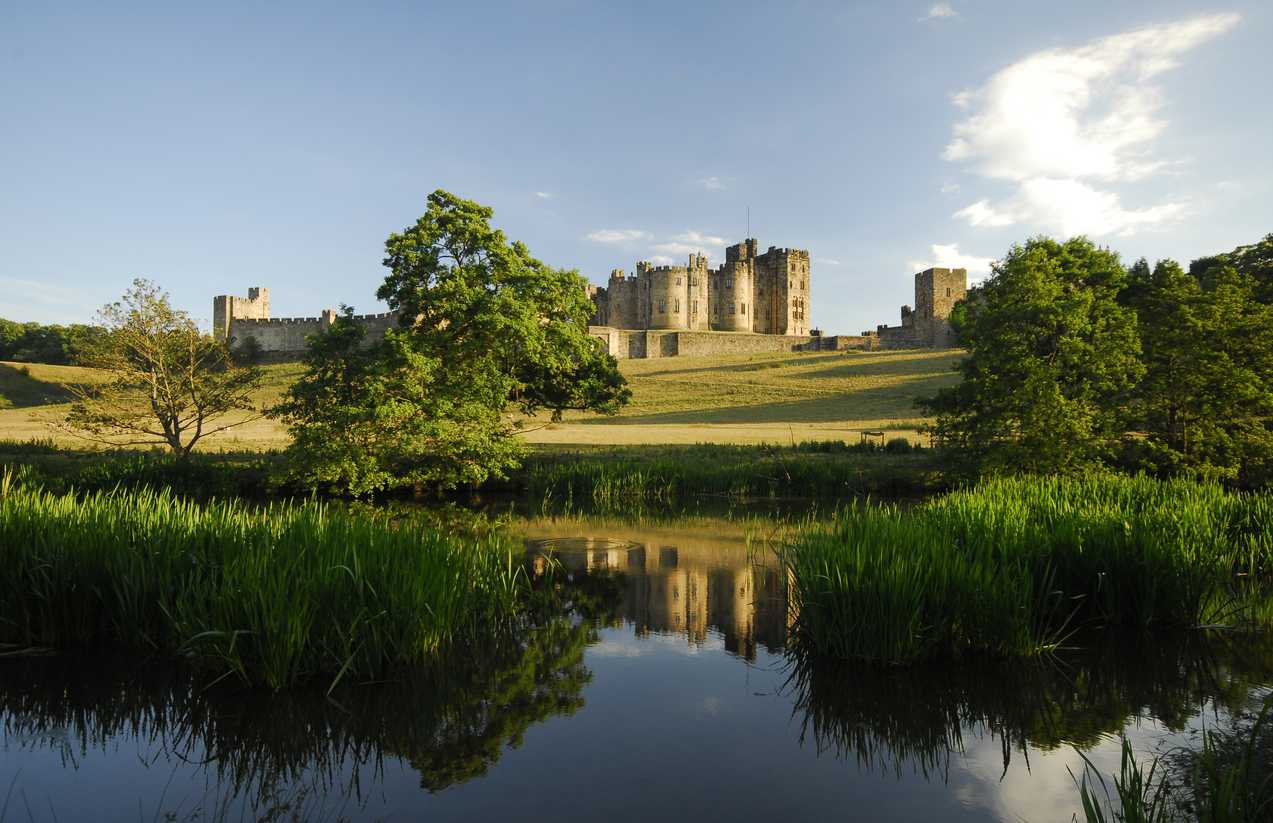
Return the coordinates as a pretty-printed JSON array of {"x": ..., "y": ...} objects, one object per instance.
[{"x": 213, "y": 147}]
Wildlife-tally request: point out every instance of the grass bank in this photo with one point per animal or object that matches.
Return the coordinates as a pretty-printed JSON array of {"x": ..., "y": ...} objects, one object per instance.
[
  {"x": 830, "y": 468},
  {"x": 270, "y": 595},
  {"x": 1007, "y": 568}
]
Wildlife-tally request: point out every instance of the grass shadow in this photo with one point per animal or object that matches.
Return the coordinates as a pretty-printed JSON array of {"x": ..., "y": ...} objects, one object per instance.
[{"x": 19, "y": 389}]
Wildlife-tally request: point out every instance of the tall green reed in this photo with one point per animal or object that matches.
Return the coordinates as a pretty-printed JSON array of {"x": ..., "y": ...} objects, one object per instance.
[
  {"x": 1006, "y": 568},
  {"x": 272, "y": 595}
]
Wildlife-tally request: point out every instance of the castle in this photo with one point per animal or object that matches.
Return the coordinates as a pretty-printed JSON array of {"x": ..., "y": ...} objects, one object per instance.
[
  {"x": 666, "y": 311},
  {"x": 927, "y": 326},
  {"x": 235, "y": 319},
  {"x": 764, "y": 293}
]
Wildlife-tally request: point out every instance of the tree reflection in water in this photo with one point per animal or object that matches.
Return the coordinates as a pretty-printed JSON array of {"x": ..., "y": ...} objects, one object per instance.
[
  {"x": 914, "y": 718},
  {"x": 450, "y": 719}
]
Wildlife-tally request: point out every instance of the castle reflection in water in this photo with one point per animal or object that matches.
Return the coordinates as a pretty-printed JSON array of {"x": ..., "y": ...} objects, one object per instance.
[{"x": 689, "y": 589}]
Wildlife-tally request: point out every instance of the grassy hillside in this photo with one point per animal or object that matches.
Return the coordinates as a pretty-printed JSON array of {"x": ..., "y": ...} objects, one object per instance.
[{"x": 723, "y": 399}]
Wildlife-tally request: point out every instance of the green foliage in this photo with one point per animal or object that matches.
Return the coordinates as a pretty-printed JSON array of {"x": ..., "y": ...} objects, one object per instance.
[
  {"x": 166, "y": 382},
  {"x": 827, "y": 469},
  {"x": 273, "y": 596},
  {"x": 1206, "y": 399},
  {"x": 1002, "y": 570},
  {"x": 33, "y": 343},
  {"x": 384, "y": 416},
  {"x": 486, "y": 329},
  {"x": 1051, "y": 360},
  {"x": 1231, "y": 781},
  {"x": 485, "y": 308}
]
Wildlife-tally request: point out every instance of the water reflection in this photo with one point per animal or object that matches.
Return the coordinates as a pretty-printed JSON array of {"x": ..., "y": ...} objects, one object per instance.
[
  {"x": 915, "y": 718},
  {"x": 697, "y": 583},
  {"x": 689, "y": 588},
  {"x": 449, "y": 720}
]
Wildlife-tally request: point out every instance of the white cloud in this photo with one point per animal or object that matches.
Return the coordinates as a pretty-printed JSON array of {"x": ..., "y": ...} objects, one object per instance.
[
  {"x": 981, "y": 214},
  {"x": 827, "y": 261},
  {"x": 616, "y": 236},
  {"x": 543, "y": 194},
  {"x": 1068, "y": 207},
  {"x": 713, "y": 183},
  {"x": 692, "y": 242},
  {"x": 950, "y": 257},
  {"x": 941, "y": 11},
  {"x": 701, "y": 239},
  {"x": 1062, "y": 116},
  {"x": 662, "y": 259}
]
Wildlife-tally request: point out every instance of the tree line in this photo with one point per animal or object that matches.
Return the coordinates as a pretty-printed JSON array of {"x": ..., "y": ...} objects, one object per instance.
[
  {"x": 1077, "y": 362},
  {"x": 33, "y": 343}
]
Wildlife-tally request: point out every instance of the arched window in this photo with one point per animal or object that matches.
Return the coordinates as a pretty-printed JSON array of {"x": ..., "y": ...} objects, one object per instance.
[
  {"x": 731, "y": 308},
  {"x": 676, "y": 306},
  {"x": 662, "y": 306}
]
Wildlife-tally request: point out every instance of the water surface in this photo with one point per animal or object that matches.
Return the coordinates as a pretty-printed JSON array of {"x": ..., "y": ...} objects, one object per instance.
[{"x": 656, "y": 682}]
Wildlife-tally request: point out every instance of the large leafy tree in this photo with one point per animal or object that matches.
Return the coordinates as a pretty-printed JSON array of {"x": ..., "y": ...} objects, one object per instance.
[
  {"x": 1052, "y": 360},
  {"x": 483, "y": 305},
  {"x": 488, "y": 332},
  {"x": 1206, "y": 400},
  {"x": 164, "y": 381}
]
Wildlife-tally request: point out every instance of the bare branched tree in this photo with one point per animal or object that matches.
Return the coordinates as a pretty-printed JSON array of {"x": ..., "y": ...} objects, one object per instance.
[{"x": 165, "y": 381}]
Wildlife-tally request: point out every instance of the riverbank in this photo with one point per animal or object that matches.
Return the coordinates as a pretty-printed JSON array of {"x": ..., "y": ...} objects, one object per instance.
[{"x": 1009, "y": 568}]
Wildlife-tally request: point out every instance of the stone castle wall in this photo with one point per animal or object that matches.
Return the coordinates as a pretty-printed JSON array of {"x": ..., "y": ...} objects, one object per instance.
[
  {"x": 235, "y": 320},
  {"x": 927, "y": 326}
]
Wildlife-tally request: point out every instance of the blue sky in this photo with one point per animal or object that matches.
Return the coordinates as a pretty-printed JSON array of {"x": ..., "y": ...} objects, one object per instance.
[{"x": 213, "y": 147}]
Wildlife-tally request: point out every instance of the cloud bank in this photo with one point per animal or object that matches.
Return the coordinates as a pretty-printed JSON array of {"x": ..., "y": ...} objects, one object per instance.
[
  {"x": 1060, "y": 121},
  {"x": 616, "y": 236},
  {"x": 950, "y": 257}
]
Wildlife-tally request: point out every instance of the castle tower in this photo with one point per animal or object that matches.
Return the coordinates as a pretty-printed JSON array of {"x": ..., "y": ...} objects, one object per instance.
[
  {"x": 936, "y": 292},
  {"x": 226, "y": 308}
]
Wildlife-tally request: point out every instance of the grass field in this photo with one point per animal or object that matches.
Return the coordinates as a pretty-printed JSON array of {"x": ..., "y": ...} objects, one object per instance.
[{"x": 740, "y": 399}]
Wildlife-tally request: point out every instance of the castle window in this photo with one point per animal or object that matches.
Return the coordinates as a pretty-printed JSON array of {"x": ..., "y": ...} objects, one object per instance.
[
  {"x": 676, "y": 306},
  {"x": 678, "y": 281},
  {"x": 742, "y": 308},
  {"x": 695, "y": 307},
  {"x": 729, "y": 284},
  {"x": 731, "y": 308},
  {"x": 801, "y": 285},
  {"x": 694, "y": 281},
  {"x": 948, "y": 292},
  {"x": 662, "y": 306}
]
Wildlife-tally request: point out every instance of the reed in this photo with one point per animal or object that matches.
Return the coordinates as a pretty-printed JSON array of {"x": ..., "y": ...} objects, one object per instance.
[
  {"x": 272, "y": 595},
  {"x": 1007, "y": 568},
  {"x": 811, "y": 469}
]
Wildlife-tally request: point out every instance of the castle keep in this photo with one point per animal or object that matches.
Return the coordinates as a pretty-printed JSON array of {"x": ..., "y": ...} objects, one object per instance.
[{"x": 750, "y": 292}]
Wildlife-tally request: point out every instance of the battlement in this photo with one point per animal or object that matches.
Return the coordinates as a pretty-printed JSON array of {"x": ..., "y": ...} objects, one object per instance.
[{"x": 747, "y": 293}]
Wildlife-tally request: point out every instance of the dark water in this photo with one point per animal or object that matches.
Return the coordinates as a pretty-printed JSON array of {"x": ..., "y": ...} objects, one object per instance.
[{"x": 654, "y": 685}]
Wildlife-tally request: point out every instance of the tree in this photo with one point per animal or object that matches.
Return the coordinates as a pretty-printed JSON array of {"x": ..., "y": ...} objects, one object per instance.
[
  {"x": 482, "y": 305},
  {"x": 1206, "y": 400},
  {"x": 486, "y": 330},
  {"x": 165, "y": 381},
  {"x": 1052, "y": 359}
]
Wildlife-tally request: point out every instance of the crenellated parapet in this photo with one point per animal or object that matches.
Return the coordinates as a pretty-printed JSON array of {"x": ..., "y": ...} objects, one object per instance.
[
  {"x": 750, "y": 292},
  {"x": 236, "y": 319}
]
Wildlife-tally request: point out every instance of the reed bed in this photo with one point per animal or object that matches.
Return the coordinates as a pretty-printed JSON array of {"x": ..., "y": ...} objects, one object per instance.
[
  {"x": 811, "y": 469},
  {"x": 1007, "y": 568},
  {"x": 271, "y": 595}
]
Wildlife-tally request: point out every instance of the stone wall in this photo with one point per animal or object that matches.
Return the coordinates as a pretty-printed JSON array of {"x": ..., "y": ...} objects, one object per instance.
[{"x": 235, "y": 319}]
